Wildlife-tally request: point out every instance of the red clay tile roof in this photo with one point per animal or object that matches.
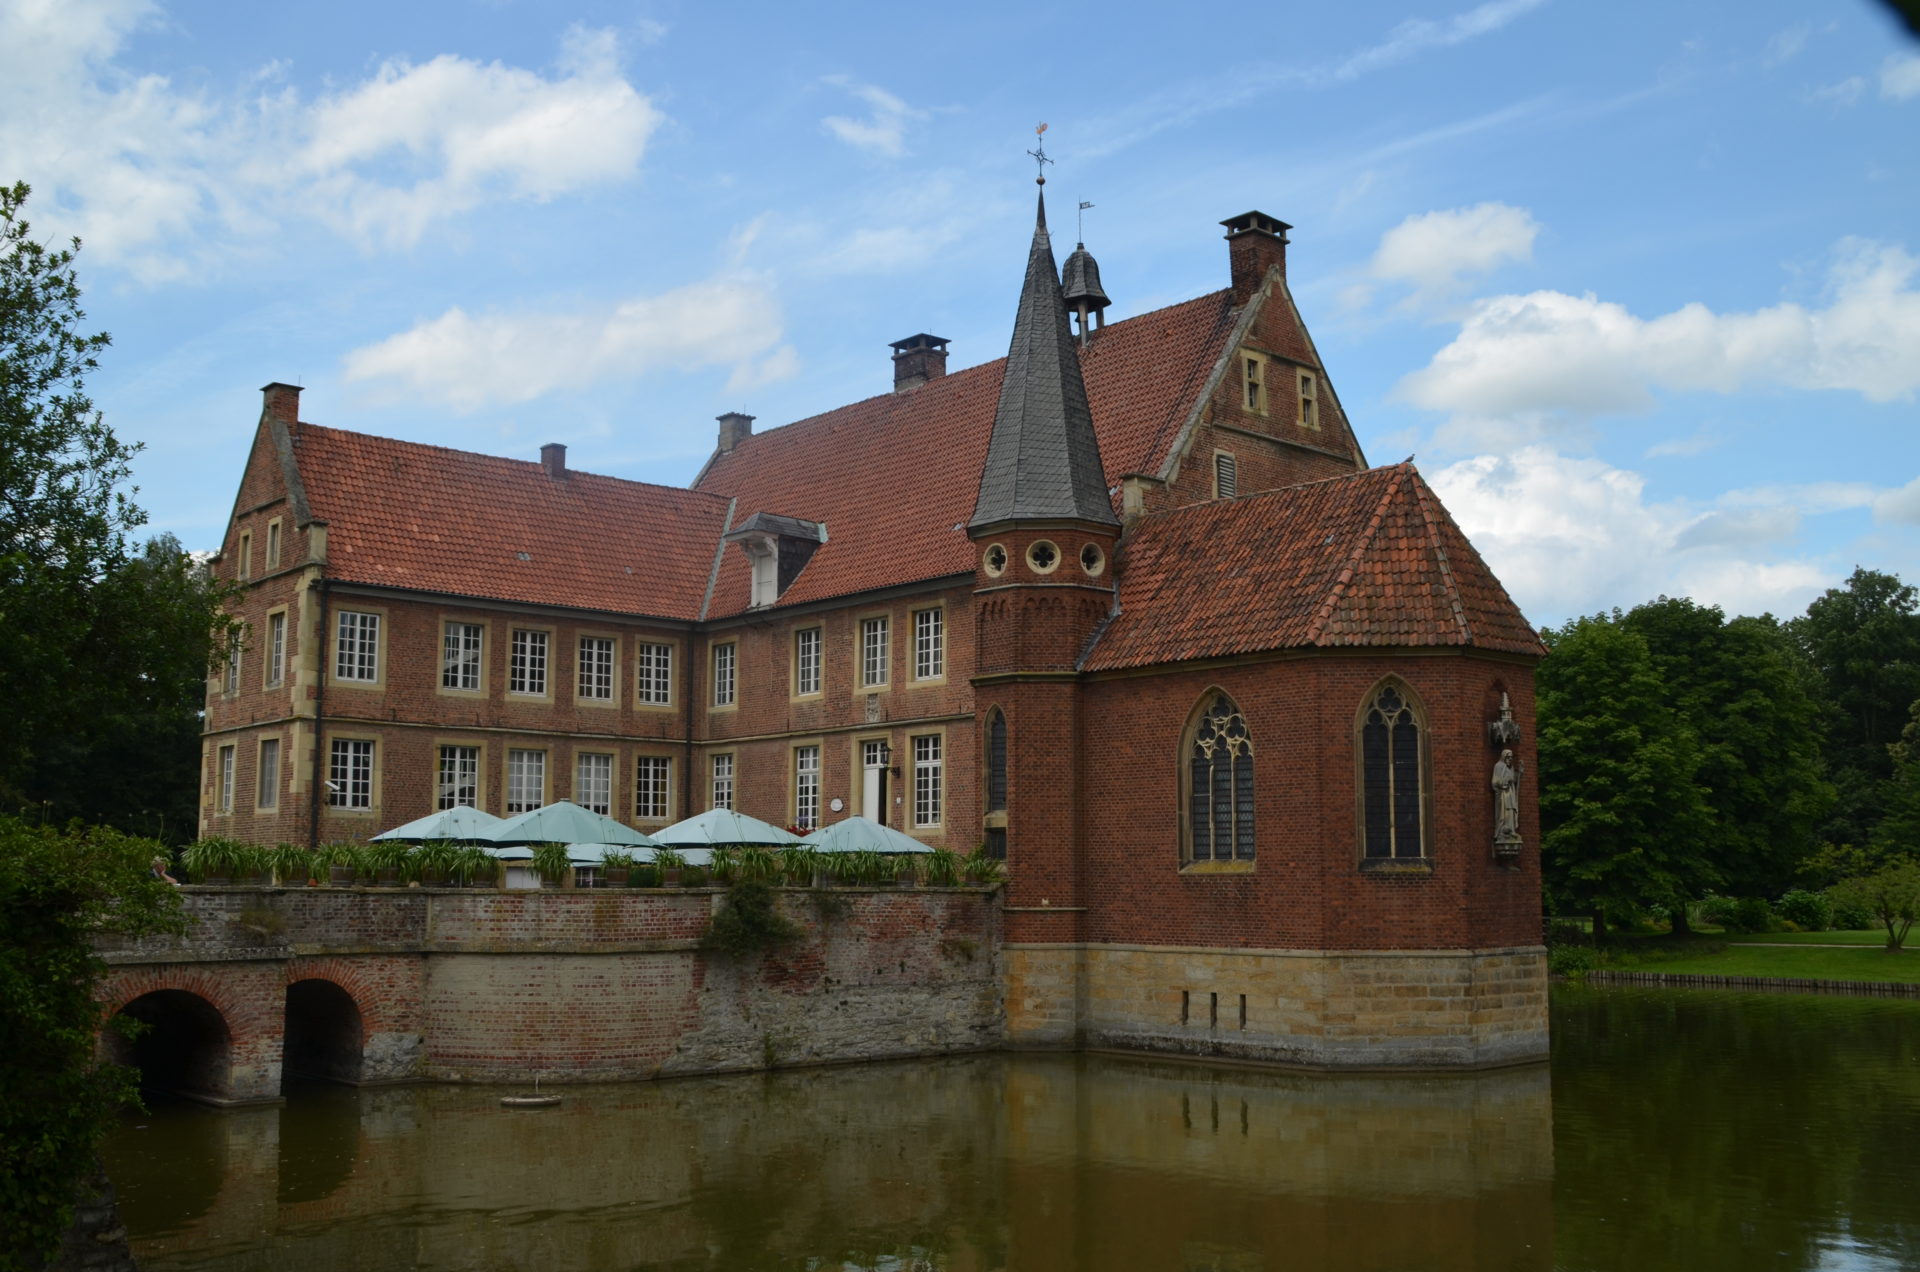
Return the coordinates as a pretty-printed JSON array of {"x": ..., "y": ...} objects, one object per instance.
[
  {"x": 401, "y": 514},
  {"x": 1370, "y": 559},
  {"x": 894, "y": 477}
]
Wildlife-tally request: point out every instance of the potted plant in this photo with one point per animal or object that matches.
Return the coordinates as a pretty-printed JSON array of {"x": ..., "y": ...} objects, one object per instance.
[
  {"x": 616, "y": 865},
  {"x": 980, "y": 868},
  {"x": 757, "y": 862},
  {"x": 432, "y": 862},
  {"x": 798, "y": 862},
  {"x": 943, "y": 868},
  {"x": 294, "y": 866},
  {"x": 551, "y": 863},
  {"x": 862, "y": 868},
  {"x": 387, "y": 858},
  {"x": 342, "y": 862},
  {"x": 253, "y": 865},
  {"x": 213, "y": 861},
  {"x": 724, "y": 866},
  {"x": 670, "y": 864},
  {"x": 475, "y": 866}
]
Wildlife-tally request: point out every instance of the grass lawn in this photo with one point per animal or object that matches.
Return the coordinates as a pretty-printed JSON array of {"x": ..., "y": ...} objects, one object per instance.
[{"x": 1865, "y": 964}]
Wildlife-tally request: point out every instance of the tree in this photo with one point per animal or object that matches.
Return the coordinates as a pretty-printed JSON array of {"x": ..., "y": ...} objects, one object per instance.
[
  {"x": 60, "y": 890},
  {"x": 1622, "y": 816},
  {"x": 1896, "y": 836},
  {"x": 1891, "y": 894},
  {"x": 103, "y": 652},
  {"x": 1863, "y": 640},
  {"x": 1760, "y": 734}
]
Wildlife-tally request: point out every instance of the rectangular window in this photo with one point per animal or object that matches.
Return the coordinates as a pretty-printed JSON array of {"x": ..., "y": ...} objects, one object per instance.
[
  {"x": 527, "y": 663},
  {"x": 656, "y": 674},
  {"x": 593, "y": 782},
  {"x": 806, "y": 786},
  {"x": 357, "y": 647},
  {"x": 596, "y": 668},
  {"x": 926, "y": 780},
  {"x": 276, "y": 650},
  {"x": 460, "y": 657},
  {"x": 1256, "y": 390},
  {"x": 231, "y": 682},
  {"x": 273, "y": 545},
  {"x": 806, "y": 661},
  {"x": 929, "y": 644},
  {"x": 651, "y": 774},
  {"x": 1226, "y": 476},
  {"x": 225, "y": 791},
  {"x": 1309, "y": 415},
  {"x": 722, "y": 782},
  {"x": 526, "y": 781},
  {"x": 459, "y": 777},
  {"x": 243, "y": 567},
  {"x": 723, "y": 674},
  {"x": 350, "y": 774},
  {"x": 875, "y": 652},
  {"x": 267, "y": 786}
]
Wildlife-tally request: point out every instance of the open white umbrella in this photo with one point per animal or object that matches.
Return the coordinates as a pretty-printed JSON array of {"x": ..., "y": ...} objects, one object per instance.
[
  {"x": 595, "y": 854},
  {"x": 721, "y": 826},
  {"x": 462, "y": 825},
  {"x": 565, "y": 822},
  {"x": 863, "y": 834}
]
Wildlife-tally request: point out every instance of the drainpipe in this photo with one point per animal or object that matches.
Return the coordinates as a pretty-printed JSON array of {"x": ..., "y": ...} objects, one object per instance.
[
  {"x": 686, "y": 725},
  {"x": 319, "y": 714}
]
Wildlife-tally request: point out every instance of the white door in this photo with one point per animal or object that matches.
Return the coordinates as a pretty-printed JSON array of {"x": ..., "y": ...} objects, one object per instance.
[{"x": 870, "y": 782}]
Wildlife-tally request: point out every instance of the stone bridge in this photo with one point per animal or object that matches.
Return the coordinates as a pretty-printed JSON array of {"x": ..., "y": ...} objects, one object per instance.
[{"x": 368, "y": 985}]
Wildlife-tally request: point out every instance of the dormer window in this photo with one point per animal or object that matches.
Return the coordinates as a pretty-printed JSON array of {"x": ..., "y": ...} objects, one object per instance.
[
  {"x": 766, "y": 570},
  {"x": 1309, "y": 407},
  {"x": 778, "y": 548}
]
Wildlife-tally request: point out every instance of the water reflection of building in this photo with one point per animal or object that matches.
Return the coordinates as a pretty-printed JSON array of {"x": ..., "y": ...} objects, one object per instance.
[{"x": 983, "y": 1163}]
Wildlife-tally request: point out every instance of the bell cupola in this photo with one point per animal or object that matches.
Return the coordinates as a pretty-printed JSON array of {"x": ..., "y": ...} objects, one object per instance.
[{"x": 1080, "y": 288}]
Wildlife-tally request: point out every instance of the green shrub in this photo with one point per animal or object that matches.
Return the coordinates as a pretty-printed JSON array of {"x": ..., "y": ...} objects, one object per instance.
[
  {"x": 1749, "y": 914},
  {"x": 1810, "y": 911},
  {"x": 1718, "y": 911},
  {"x": 748, "y": 922},
  {"x": 1850, "y": 914},
  {"x": 1573, "y": 960}
]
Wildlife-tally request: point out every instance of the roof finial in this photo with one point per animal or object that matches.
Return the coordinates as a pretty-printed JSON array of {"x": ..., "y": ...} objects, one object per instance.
[{"x": 1039, "y": 154}]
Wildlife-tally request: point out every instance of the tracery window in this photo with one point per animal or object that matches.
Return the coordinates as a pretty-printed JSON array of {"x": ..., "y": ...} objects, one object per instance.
[
  {"x": 1392, "y": 777},
  {"x": 1219, "y": 783}
]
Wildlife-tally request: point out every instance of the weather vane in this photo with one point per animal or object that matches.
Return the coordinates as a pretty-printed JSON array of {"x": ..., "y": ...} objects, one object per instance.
[
  {"x": 1039, "y": 154},
  {"x": 1080, "y": 224}
]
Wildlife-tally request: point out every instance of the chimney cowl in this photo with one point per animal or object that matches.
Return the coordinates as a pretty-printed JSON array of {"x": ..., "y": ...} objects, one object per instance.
[
  {"x": 553, "y": 458},
  {"x": 918, "y": 359},
  {"x": 735, "y": 428},
  {"x": 1256, "y": 244}
]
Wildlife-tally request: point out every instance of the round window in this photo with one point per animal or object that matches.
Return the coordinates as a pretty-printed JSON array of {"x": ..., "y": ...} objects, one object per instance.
[
  {"x": 1043, "y": 556},
  {"x": 996, "y": 560},
  {"x": 1092, "y": 560}
]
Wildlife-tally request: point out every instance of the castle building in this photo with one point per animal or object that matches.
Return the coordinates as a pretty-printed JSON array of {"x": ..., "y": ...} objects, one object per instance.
[{"x": 1128, "y": 607}]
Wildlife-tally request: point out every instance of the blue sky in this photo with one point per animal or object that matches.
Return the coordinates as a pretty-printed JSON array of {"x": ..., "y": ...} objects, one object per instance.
[{"x": 1638, "y": 284}]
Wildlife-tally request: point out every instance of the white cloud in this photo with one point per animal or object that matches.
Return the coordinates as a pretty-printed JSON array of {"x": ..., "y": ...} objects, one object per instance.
[
  {"x": 166, "y": 180},
  {"x": 1846, "y": 92},
  {"x": 1900, "y": 77},
  {"x": 1571, "y": 535},
  {"x": 1786, "y": 45},
  {"x": 1416, "y": 35},
  {"x": 1901, "y": 505},
  {"x": 472, "y": 361},
  {"x": 1435, "y": 252},
  {"x": 1520, "y": 361},
  {"x": 884, "y": 130},
  {"x": 1683, "y": 447}
]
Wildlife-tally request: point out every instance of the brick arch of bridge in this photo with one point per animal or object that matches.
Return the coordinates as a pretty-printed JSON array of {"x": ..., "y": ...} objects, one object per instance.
[
  {"x": 387, "y": 994},
  {"x": 245, "y": 998}
]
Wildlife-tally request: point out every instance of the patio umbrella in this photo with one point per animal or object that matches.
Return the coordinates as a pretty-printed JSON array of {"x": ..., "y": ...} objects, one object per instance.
[
  {"x": 519, "y": 852},
  {"x": 723, "y": 826},
  {"x": 863, "y": 834},
  {"x": 565, "y": 822},
  {"x": 462, "y": 825},
  {"x": 594, "y": 854}
]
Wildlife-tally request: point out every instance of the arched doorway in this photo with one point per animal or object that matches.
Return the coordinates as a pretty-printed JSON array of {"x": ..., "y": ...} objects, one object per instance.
[
  {"x": 180, "y": 1045},
  {"x": 324, "y": 1035}
]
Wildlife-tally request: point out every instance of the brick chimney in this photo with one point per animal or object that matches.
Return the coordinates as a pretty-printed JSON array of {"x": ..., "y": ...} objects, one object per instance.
[
  {"x": 735, "y": 428},
  {"x": 281, "y": 402},
  {"x": 553, "y": 458},
  {"x": 918, "y": 359},
  {"x": 1256, "y": 243}
]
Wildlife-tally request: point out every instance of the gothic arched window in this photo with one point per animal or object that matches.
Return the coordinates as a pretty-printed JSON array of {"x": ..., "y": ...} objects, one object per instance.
[
  {"x": 1218, "y": 778},
  {"x": 1392, "y": 776},
  {"x": 997, "y": 763}
]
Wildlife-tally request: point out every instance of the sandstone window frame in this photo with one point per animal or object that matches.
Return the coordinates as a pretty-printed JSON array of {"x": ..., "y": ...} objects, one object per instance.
[
  {"x": 993, "y": 822},
  {"x": 723, "y": 779},
  {"x": 226, "y": 772},
  {"x": 230, "y": 673},
  {"x": 652, "y": 787},
  {"x": 273, "y": 665},
  {"x": 267, "y": 774},
  {"x": 522, "y": 757},
  {"x": 809, "y": 661},
  {"x": 365, "y": 645},
  {"x": 274, "y": 543},
  {"x": 1253, "y": 379},
  {"x": 1217, "y": 730},
  {"x": 1308, "y": 409},
  {"x": 243, "y": 557},
  {"x": 873, "y": 652},
  {"x": 1395, "y": 815},
  {"x": 441, "y": 747},
  {"x": 723, "y": 666},
  {"x": 804, "y": 783},
  {"x": 654, "y": 661},
  {"x": 344, "y": 798},
  {"x": 526, "y": 657},
  {"x": 930, "y": 644},
  {"x": 582, "y": 664},
  {"x": 463, "y": 659},
  {"x": 594, "y": 769},
  {"x": 927, "y": 782}
]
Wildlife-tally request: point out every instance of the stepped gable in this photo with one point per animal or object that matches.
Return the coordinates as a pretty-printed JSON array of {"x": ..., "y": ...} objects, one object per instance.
[
  {"x": 895, "y": 477},
  {"x": 1368, "y": 560},
  {"x": 401, "y": 514}
]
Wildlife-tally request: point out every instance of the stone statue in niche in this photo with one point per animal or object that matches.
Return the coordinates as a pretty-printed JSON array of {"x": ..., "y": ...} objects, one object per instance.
[{"x": 1506, "y": 805}]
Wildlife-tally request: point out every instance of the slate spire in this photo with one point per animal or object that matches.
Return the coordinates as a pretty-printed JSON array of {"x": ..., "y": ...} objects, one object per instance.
[{"x": 1043, "y": 462}]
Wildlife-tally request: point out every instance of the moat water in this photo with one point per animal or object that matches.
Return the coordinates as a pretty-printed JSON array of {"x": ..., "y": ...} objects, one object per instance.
[{"x": 1673, "y": 1129}]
